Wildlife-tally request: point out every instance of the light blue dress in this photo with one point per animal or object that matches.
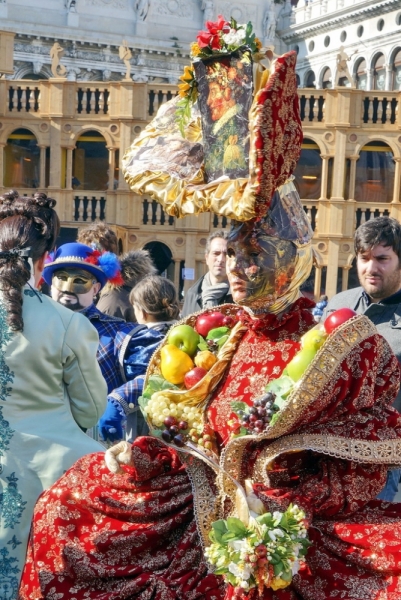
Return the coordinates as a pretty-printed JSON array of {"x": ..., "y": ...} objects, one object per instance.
[{"x": 50, "y": 386}]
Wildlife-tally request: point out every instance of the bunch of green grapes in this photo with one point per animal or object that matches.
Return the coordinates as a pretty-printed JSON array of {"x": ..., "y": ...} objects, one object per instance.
[{"x": 160, "y": 407}]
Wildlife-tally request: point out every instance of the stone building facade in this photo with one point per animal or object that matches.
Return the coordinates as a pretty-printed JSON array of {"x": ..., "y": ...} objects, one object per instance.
[{"x": 67, "y": 135}]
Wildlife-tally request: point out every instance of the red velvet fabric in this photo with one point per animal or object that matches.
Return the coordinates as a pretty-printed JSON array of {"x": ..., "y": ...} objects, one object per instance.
[{"x": 100, "y": 536}]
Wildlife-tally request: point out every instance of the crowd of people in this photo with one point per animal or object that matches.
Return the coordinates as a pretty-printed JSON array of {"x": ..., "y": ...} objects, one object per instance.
[{"x": 131, "y": 517}]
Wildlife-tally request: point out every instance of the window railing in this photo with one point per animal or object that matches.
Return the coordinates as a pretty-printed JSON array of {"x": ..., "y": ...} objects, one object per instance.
[{"x": 90, "y": 206}]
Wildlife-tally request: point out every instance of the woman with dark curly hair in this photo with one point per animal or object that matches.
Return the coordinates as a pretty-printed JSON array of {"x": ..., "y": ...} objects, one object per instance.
[{"x": 50, "y": 382}]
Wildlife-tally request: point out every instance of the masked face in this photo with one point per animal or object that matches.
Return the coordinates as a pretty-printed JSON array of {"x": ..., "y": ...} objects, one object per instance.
[
  {"x": 74, "y": 288},
  {"x": 259, "y": 267}
]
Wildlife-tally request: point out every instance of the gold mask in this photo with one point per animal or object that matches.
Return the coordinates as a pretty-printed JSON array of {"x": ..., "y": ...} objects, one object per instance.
[{"x": 75, "y": 281}]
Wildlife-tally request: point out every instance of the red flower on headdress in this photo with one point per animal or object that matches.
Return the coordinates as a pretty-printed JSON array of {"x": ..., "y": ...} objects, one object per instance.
[{"x": 212, "y": 36}]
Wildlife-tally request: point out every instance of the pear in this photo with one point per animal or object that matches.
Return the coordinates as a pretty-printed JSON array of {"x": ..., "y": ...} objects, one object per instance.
[{"x": 174, "y": 364}]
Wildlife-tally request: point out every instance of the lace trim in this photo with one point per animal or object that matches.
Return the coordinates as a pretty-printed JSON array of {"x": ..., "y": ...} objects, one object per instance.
[
  {"x": 386, "y": 452},
  {"x": 319, "y": 373},
  {"x": 207, "y": 507}
]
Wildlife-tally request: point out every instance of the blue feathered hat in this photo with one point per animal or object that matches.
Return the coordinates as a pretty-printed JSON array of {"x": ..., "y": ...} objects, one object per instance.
[{"x": 103, "y": 266}]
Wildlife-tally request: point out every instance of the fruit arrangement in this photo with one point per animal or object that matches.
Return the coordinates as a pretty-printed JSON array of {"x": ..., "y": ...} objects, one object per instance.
[
  {"x": 264, "y": 410},
  {"x": 187, "y": 360}
]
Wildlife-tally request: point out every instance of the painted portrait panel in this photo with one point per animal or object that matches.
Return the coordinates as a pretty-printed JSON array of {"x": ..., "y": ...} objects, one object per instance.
[{"x": 225, "y": 97}]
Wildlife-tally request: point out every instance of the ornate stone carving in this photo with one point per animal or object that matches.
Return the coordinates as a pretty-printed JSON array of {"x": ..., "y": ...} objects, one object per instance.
[
  {"x": 56, "y": 52},
  {"x": 125, "y": 54},
  {"x": 142, "y": 9},
  {"x": 178, "y": 8},
  {"x": 241, "y": 13},
  {"x": 114, "y": 3}
]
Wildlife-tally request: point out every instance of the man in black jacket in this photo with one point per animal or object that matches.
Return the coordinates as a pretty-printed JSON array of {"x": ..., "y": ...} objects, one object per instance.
[
  {"x": 211, "y": 289},
  {"x": 378, "y": 254}
]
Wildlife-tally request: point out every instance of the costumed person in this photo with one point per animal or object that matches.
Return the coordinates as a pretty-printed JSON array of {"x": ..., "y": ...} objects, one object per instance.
[
  {"x": 50, "y": 382},
  {"x": 155, "y": 303},
  {"x": 76, "y": 274},
  {"x": 259, "y": 479}
]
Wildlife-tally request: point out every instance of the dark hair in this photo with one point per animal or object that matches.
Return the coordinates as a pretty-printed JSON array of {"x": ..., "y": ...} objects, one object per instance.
[
  {"x": 135, "y": 265},
  {"x": 100, "y": 234},
  {"x": 25, "y": 222},
  {"x": 220, "y": 233},
  {"x": 382, "y": 230},
  {"x": 157, "y": 296}
]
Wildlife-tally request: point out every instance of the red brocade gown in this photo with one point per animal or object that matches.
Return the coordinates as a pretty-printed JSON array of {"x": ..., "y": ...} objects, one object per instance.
[{"x": 101, "y": 536}]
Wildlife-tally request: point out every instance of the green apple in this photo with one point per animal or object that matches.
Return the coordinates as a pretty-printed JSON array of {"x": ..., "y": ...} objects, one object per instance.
[{"x": 185, "y": 338}]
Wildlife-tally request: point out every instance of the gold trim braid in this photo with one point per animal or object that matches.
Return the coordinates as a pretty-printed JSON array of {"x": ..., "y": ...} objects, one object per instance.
[{"x": 387, "y": 452}]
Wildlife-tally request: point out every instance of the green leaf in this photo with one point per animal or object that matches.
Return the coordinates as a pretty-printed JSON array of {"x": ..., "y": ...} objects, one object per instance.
[
  {"x": 236, "y": 525},
  {"x": 202, "y": 344},
  {"x": 286, "y": 575},
  {"x": 218, "y": 332},
  {"x": 222, "y": 341},
  {"x": 236, "y": 406},
  {"x": 219, "y": 529},
  {"x": 278, "y": 568}
]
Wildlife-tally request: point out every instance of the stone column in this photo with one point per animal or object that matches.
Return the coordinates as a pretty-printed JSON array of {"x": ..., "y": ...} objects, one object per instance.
[
  {"x": 2, "y": 165},
  {"x": 325, "y": 175},
  {"x": 389, "y": 77},
  {"x": 344, "y": 286},
  {"x": 369, "y": 80},
  {"x": 397, "y": 181},
  {"x": 42, "y": 172},
  {"x": 318, "y": 282},
  {"x": 352, "y": 175},
  {"x": 68, "y": 169},
  {"x": 112, "y": 164},
  {"x": 177, "y": 264}
]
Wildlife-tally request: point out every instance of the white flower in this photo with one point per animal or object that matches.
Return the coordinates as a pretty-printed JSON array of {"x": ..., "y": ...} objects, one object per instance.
[
  {"x": 234, "y": 37},
  {"x": 242, "y": 572},
  {"x": 295, "y": 566},
  {"x": 238, "y": 545}
]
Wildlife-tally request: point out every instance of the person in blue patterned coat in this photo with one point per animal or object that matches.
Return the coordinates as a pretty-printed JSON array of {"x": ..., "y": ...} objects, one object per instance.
[{"x": 76, "y": 274}]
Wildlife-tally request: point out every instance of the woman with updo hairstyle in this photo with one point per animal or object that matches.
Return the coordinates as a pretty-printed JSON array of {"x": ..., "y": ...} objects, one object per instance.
[
  {"x": 155, "y": 302},
  {"x": 51, "y": 386}
]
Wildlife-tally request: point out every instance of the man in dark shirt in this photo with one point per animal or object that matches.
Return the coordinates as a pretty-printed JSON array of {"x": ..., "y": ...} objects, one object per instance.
[
  {"x": 378, "y": 254},
  {"x": 211, "y": 289}
]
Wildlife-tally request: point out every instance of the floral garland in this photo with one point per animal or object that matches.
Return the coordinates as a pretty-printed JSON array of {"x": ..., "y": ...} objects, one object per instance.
[
  {"x": 221, "y": 38},
  {"x": 265, "y": 554}
]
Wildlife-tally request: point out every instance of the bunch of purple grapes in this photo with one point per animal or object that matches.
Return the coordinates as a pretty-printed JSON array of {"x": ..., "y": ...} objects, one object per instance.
[
  {"x": 260, "y": 414},
  {"x": 173, "y": 434}
]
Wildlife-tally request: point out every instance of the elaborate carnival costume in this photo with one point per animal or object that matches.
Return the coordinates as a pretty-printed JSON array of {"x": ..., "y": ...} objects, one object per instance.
[{"x": 143, "y": 533}]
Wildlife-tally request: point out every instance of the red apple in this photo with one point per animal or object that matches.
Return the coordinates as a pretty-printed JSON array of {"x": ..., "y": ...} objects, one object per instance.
[
  {"x": 337, "y": 318},
  {"x": 193, "y": 376},
  {"x": 204, "y": 323}
]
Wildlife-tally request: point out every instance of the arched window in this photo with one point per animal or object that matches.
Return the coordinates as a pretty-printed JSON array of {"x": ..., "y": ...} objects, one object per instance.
[
  {"x": 360, "y": 74},
  {"x": 21, "y": 160},
  {"x": 379, "y": 73},
  {"x": 374, "y": 180},
  {"x": 326, "y": 79},
  {"x": 397, "y": 71},
  {"x": 90, "y": 162},
  {"x": 310, "y": 80},
  {"x": 308, "y": 174}
]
